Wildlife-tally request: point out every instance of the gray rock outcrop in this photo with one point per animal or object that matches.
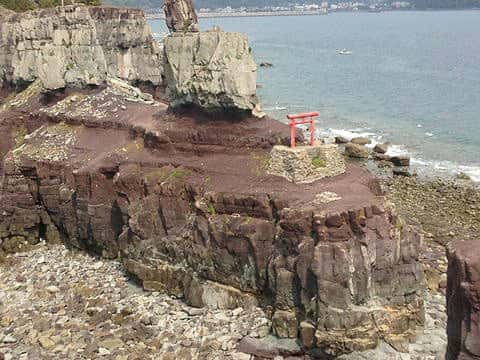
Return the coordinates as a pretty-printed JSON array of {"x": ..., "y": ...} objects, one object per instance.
[
  {"x": 77, "y": 46},
  {"x": 400, "y": 160},
  {"x": 180, "y": 15},
  {"x": 213, "y": 70},
  {"x": 381, "y": 148},
  {"x": 356, "y": 151},
  {"x": 361, "y": 141}
]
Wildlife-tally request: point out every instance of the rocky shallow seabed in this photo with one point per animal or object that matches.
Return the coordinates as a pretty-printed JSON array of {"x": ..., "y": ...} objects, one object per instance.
[{"x": 63, "y": 304}]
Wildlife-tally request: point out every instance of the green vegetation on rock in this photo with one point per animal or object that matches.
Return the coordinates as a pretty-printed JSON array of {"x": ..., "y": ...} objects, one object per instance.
[
  {"x": 261, "y": 163},
  {"x": 25, "y": 5},
  {"x": 19, "y": 136},
  {"x": 179, "y": 173},
  {"x": 17, "y": 5},
  {"x": 211, "y": 209},
  {"x": 318, "y": 162}
]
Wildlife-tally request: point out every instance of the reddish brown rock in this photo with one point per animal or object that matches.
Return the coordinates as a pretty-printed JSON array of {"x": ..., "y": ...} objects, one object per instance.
[
  {"x": 187, "y": 205},
  {"x": 463, "y": 300}
]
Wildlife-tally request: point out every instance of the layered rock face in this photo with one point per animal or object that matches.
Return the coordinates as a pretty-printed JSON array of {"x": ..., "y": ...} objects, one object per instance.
[
  {"x": 213, "y": 70},
  {"x": 180, "y": 16},
  {"x": 165, "y": 193},
  {"x": 463, "y": 300},
  {"x": 185, "y": 199},
  {"x": 77, "y": 46}
]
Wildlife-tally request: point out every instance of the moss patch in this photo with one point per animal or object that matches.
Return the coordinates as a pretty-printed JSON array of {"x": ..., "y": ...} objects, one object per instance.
[
  {"x": 165, "y": 174},
  {"x": 318, "y": 162},
  {"x": 179, "y": 173},
  {"x": 261, "y": 163},
  {"x": 19, "y": 136},
  {"x": 208, "y": 183},
  {"x": 157, "y": 175},
  {"x": 211, "y": 209},
  {"x": 21, "y": 98},
  {"x": 134, "y": 146},
  {"x": 25, "y": 5}
]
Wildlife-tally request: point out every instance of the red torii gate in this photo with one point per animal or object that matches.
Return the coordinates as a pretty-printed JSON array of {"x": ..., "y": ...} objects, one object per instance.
[{"x": 302, "y": 118}]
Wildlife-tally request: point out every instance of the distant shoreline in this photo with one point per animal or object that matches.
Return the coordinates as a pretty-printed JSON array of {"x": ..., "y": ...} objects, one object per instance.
[
  {"x": 157, "y": 16},
  {"x": 245, "y": 14}
]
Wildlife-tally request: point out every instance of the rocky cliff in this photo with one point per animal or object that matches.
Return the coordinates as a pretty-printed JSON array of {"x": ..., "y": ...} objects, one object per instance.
[
  {"x": 463, "y": 300},
  {"x": 180, "y": 16},
  {"x": 184, "y": 200},
  {"x": 212, "y": 70},
  {"x": 165, "y": 194},
  {"x": 77, "y": 46}
]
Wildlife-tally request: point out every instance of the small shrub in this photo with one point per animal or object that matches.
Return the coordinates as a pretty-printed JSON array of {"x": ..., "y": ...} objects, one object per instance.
[{"x": 211, "y": 209}]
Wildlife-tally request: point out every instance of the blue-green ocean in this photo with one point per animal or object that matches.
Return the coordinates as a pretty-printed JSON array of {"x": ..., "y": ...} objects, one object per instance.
[{"x": 413, "y": 78}]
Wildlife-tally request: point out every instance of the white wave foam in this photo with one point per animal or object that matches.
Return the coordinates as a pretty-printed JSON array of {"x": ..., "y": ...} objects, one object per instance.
[
  {"x": 275, "y": 107},
  {"x": 350, "y": 134},
  {"x": 395, "y": 150},
  {"x": 472, "y": 171},
  {"x": 444, "y": 167},
  {"x": 419, "y": 162},
  {"x": 448, "y": 167}
]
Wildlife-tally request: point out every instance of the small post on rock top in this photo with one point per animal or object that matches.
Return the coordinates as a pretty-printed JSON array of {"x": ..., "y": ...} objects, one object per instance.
[{"x": 303, "y": 118}]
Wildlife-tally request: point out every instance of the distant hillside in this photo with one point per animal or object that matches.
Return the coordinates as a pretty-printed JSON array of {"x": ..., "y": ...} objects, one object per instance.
[
  {"x": 24, "y": 5},
  {"x": 419, "y": 4},
  {"x": 446, "y": 4}
]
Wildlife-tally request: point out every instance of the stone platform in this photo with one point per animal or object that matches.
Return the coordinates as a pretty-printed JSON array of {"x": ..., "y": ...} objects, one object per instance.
[{"x": 306, "y": 164}]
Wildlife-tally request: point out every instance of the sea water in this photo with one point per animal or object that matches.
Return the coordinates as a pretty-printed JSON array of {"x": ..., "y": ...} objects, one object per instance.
[{"x": 413, "y": 78}]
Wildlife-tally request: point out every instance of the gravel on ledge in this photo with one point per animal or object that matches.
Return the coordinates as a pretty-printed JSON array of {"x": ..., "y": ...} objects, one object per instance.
[{"x": 57, "y": 303}]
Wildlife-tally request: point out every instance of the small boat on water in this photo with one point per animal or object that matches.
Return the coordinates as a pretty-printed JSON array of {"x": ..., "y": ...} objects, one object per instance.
[
  {"x": 374, "y": 9},
  {"x": 344, "y": 52}
]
